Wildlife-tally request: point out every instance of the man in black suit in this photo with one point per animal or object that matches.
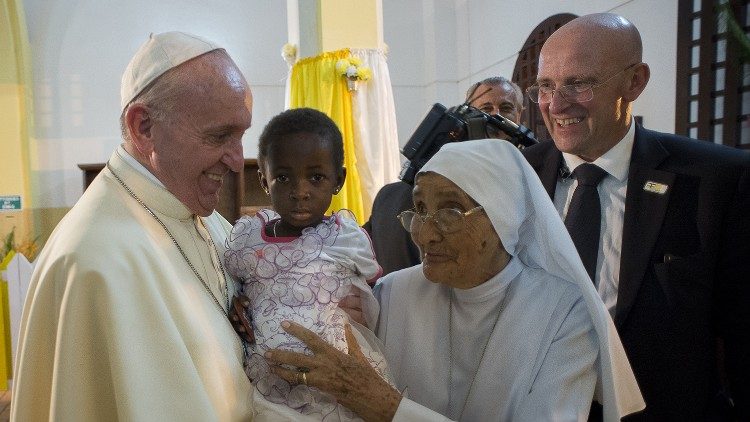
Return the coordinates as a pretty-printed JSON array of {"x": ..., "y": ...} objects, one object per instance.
[
  {"x": 393, "y": 245},
  {"x": 673, "y": 260}
]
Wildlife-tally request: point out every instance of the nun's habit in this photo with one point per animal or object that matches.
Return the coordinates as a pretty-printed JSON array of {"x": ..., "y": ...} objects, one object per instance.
[{"x": 554, "y": 345}]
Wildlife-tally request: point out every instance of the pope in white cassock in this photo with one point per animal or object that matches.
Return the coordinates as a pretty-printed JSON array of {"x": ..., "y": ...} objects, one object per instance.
[{"x": 125, "y": 317}]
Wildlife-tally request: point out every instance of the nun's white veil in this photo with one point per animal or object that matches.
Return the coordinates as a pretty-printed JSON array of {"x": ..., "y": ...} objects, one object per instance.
[{"x": 495, "y": 174}]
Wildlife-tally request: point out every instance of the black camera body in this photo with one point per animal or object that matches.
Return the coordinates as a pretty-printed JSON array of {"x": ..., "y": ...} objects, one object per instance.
[{"x": 460, "y": 123}]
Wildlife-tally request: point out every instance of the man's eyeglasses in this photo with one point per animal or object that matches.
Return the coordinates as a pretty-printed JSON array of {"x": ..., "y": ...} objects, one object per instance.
[
  {"x": 447, "y": 220},
  {"x": 579, "y": 92}
]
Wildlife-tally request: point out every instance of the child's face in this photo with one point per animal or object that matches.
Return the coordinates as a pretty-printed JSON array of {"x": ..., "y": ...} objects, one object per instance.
[{"x": 300, "y": 176}]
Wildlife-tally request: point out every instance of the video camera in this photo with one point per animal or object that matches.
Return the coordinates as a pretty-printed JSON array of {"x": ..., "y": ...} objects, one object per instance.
[{"x": 459, "y": 123}]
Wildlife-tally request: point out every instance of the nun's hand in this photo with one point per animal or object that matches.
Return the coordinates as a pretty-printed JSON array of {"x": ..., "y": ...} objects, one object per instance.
[{"x": 348, "y": 377}]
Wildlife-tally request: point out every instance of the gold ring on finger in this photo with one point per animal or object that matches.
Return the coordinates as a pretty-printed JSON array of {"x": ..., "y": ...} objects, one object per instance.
[{"x": 304, "y": 377}]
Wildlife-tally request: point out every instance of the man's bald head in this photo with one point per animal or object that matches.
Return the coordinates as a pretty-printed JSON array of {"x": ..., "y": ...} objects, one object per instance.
[
  {"x": 608, "y": 36},
  {"x": 601, "y": 56}
]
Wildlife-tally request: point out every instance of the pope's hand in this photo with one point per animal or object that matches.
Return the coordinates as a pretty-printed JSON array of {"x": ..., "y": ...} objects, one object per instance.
[{"x": 238, "y": 316}]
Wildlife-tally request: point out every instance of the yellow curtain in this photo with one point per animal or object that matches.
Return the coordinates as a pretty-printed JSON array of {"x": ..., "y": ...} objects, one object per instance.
[
  {"x": 16, "y": 118},
  {"x": 315, "y": 84}
]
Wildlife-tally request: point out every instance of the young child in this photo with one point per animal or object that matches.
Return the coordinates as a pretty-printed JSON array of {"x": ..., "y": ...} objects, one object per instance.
[{"x": 296, "y": 263}]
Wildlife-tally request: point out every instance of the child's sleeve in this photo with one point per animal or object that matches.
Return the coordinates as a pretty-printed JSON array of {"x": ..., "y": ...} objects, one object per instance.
[
  {"x": 237, "y": 244},
  {"x": 353, "y": 244},
  {"x": 374, "y": 270},
  {"x": 359, "y": 250}
]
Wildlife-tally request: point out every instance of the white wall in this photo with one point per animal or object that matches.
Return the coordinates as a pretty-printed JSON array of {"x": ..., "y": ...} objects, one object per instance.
[
  {"x": 437, "y": 48},
  {"x": 80, "y": 48}
]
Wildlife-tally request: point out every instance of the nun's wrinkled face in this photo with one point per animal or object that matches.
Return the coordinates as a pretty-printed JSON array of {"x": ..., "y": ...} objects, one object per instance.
[{"x": 463, "y": 254}]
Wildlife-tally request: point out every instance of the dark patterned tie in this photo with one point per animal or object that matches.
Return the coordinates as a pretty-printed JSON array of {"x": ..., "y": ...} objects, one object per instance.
[{"x": 585, "y": 214}]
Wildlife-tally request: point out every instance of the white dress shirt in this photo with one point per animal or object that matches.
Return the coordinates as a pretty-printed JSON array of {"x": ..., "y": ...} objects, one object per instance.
[{"x": 612, "y": 191}]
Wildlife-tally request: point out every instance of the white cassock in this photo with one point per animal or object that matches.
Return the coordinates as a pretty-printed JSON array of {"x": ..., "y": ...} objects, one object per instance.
[
  {"x": 554, "y": 346},
  {"x": 116, "y": 325}
]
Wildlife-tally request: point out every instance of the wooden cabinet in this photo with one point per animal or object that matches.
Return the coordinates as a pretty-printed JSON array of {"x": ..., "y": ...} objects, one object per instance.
[
  {"x": 252, "y": 197},
  {"x": 241, "y": 193}
]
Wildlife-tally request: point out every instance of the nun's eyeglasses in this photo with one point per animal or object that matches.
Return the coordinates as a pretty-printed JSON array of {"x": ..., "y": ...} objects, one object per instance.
[{"x": 447, "y": 220}]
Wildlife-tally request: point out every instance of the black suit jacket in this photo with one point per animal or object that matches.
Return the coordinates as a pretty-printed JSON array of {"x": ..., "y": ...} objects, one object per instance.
[
  {"x": 684, "y": 289},
  {"x": 393, "y": 246}
]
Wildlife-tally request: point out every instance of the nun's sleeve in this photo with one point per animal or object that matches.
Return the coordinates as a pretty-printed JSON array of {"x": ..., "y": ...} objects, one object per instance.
[
  {"x": 409, "y": 411},
  {"x": 563, "y": 387}
]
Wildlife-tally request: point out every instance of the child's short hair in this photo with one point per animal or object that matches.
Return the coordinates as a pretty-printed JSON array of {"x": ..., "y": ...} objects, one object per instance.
[{"x": 302, "y": 120}]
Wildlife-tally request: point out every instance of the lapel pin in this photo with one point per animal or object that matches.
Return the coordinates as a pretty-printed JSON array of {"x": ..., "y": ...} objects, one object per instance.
[{"x": 655, "y": 187}]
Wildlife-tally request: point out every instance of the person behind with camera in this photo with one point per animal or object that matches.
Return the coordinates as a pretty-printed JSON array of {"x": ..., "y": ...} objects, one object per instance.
[
  {"x": 394, "y": 248},
  {"x": 497, "y": 95}
]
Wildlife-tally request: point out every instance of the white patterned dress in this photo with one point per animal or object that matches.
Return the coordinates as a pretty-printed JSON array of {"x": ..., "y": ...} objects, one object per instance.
[{"x": 302, "y": 279}]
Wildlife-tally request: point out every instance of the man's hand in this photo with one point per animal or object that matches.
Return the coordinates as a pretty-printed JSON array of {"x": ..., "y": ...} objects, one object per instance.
[{"x": 238, "y": 314}]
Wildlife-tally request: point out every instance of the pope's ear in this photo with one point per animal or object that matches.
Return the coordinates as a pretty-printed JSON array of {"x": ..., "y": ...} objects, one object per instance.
[{"x": 139, "y": 124}]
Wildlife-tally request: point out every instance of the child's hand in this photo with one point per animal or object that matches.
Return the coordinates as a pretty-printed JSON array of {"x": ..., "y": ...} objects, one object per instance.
[
  {"x": 238, "y": 313},
  {"x": 352, "y": 305}
]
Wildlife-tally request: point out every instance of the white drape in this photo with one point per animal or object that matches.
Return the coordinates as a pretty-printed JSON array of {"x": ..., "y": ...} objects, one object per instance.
[{"x": 375, "y": 132}]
